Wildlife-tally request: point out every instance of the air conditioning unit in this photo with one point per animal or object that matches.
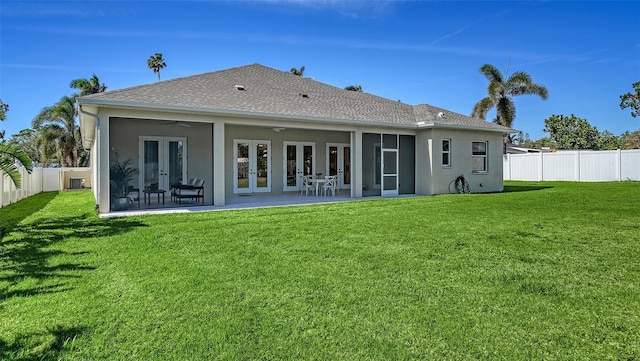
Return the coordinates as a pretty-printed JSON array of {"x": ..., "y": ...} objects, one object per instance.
[{"x": 76, "y": 183}]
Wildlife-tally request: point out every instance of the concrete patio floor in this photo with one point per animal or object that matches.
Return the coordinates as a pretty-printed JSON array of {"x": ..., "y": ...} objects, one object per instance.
[{"x": 237, "y": 201}]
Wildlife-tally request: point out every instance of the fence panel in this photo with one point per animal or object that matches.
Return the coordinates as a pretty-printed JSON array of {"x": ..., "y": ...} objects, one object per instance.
[
  {"x": 40, "y": 180},
  {"x": 560, "y": 166},
  {"x": 583, "y": 166},
  {"x": 524, "y": 167},
  {"x": 630, "y": 165}
]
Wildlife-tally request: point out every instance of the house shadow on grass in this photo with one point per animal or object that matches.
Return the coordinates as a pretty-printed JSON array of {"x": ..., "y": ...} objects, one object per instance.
[
  {"x": 13, "y": 214},
  {"x": 28, "y": 250},
  {"x": 524, "y": 188},
  {"x": 49, "y": 345},
  {"x": 42, "y": 255}
]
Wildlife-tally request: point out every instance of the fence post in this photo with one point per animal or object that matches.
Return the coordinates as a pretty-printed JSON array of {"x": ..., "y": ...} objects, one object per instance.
[
  {"x": 619, "y": 164},
  {"x": 540, "y": 167},
  {"x": 578, "y": 166}
]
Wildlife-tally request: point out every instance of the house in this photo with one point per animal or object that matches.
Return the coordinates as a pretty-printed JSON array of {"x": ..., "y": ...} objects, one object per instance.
[{"x": 254, "y": 129}]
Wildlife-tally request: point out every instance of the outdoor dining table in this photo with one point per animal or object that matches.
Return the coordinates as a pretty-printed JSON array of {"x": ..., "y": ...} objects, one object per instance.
[{"x": 317, "y": 182}]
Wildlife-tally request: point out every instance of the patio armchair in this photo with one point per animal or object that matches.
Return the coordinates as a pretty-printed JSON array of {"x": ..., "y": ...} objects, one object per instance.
[
  {"x": 194, "y": 190},
  {"x": 330, "y": 185},
  {"x": 307, "y": 185}
]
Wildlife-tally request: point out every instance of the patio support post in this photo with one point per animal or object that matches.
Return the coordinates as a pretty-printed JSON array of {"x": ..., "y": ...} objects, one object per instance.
[
  {"x": 218, "y": 164},
  {"x": 356, "y": 161},
  {"x": 102, "y": 128}
]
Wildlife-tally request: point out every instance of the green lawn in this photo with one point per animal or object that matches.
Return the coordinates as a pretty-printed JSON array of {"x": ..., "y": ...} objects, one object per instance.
[{"x": 542, "y": 271}]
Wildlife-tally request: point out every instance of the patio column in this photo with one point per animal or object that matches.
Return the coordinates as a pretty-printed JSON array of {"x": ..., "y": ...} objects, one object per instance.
[
  {"x": 356, "y": 164},
  {"x": 218, "y": 164},
  {"x": 102, "y": 136}
]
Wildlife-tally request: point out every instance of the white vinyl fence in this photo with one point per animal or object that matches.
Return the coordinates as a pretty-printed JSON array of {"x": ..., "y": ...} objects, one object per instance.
[
  {"x": 577, "y": 166},
  {"x": 42, "y": 180}
]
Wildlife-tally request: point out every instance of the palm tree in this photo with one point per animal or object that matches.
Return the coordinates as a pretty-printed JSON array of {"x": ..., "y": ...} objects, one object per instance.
[
  {"x": 156, "y": 62},
  {"x": 88, "y": 86},
  {"x": 298, "y": 72},
  {"x": 501, "y": 89},
  {"x": 57, "y": 125}
]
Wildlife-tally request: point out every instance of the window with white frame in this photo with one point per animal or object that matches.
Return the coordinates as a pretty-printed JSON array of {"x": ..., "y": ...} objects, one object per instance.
[
  {"x": 446, "y": 152},
  {"x": 479, "y": 157}
]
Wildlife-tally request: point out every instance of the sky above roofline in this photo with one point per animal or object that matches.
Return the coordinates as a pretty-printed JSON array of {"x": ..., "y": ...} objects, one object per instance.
[{"x": 586, "y": 53}]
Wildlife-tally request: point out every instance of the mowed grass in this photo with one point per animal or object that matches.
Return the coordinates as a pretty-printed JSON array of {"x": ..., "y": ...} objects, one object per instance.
[{"x": 542, "y": 271}]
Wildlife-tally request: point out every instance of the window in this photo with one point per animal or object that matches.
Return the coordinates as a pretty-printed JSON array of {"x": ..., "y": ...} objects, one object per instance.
[
  {"x": 479, "y": 157},
  {"x": 446, "y": 152}
]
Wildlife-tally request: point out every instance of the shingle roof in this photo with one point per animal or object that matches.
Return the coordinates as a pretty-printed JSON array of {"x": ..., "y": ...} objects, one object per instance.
[{"x": 271, "y": 91}]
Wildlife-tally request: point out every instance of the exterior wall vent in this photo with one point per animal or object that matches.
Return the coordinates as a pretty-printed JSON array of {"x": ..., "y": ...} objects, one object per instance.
[{"x": 240, "y": 87}]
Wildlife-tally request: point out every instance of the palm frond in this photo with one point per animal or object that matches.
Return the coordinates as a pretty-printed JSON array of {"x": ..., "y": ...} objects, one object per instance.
[
  {"x": 492, "y": 73},
  {"x": 505, "y": 112},
  {"x": 9, "y": 153},
  {"x": 481, "y": 108}
]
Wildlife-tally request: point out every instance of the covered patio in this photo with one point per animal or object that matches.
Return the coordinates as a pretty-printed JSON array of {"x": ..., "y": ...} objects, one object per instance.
[{"x": 240, "y": 201}]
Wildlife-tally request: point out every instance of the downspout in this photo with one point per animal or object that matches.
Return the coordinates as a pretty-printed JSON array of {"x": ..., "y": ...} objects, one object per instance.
[{"x": 95, "y": 116}]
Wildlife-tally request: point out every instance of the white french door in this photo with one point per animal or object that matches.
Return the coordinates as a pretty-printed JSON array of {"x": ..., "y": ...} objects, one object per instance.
[
  {"x": 163, "y": 162},
  {"x": 299, "y": 160},
  {"x": 252, "y": 166},
  {"x": 339, "y": 163}
]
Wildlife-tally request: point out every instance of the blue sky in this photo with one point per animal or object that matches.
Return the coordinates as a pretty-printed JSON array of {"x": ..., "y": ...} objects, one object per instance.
[{"x": 587, "y": 53}]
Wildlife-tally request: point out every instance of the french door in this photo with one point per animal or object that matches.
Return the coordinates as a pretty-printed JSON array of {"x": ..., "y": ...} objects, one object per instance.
[
  {"x": 339, "y": 163},
  {"x": 299, "y": 160},
  {"x": 252, "y": 170},
  {"x": 163, "y": 162}
]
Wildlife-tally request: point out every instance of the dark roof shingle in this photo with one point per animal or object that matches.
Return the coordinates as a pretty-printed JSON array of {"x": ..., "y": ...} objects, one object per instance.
[{"x": 271, "y": 91}]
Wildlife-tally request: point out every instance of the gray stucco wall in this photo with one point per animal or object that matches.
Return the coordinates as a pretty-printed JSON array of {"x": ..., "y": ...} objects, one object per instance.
[
  {"x": 319, "y": 137},
  {"x": 125, "y": 135},
  {"x": 461, "y": 160}
]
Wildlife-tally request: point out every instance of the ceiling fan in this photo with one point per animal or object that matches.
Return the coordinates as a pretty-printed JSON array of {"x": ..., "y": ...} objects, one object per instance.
[{"x": 176, "y": 122}]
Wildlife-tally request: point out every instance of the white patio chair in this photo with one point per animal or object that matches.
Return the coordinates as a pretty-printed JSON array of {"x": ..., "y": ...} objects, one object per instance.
[
  {"x": 308, "y": 185},
  {"x": 330, "y": 185}
]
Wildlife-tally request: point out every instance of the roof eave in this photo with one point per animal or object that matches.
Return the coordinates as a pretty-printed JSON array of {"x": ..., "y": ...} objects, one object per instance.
[
  {"x": 261, "y": 115},
  {"x": 236, "y": 113},
  {"x": 465, "y": 127}
]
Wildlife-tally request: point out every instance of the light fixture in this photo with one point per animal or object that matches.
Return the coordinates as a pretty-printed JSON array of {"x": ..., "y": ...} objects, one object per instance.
[{"x": 278, "y": 130}]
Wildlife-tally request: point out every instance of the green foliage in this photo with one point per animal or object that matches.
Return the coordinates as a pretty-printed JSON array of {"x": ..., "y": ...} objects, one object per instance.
[
  {"x": 4, "y": 108},
  {"x": 28, "y": 140},
  {"x": 630, "y": 140},
  {"x": 88, "y": 86},
  {"x": 60, "y": 134},
  {"x": 355, "y": 88},
  {"x": 156, "y": 63},
  {"x": 121, "y": 174},
  {"x": 571, "y": 132},
  {"x": 608, "y": 141},
  {"x": 330, "y": 282},
  {"x": 298, "y": 72},
  {"x": 11, "y": 155},
  {"x": 500, "y": 92},
  {"x": 630, "y": 100}
]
